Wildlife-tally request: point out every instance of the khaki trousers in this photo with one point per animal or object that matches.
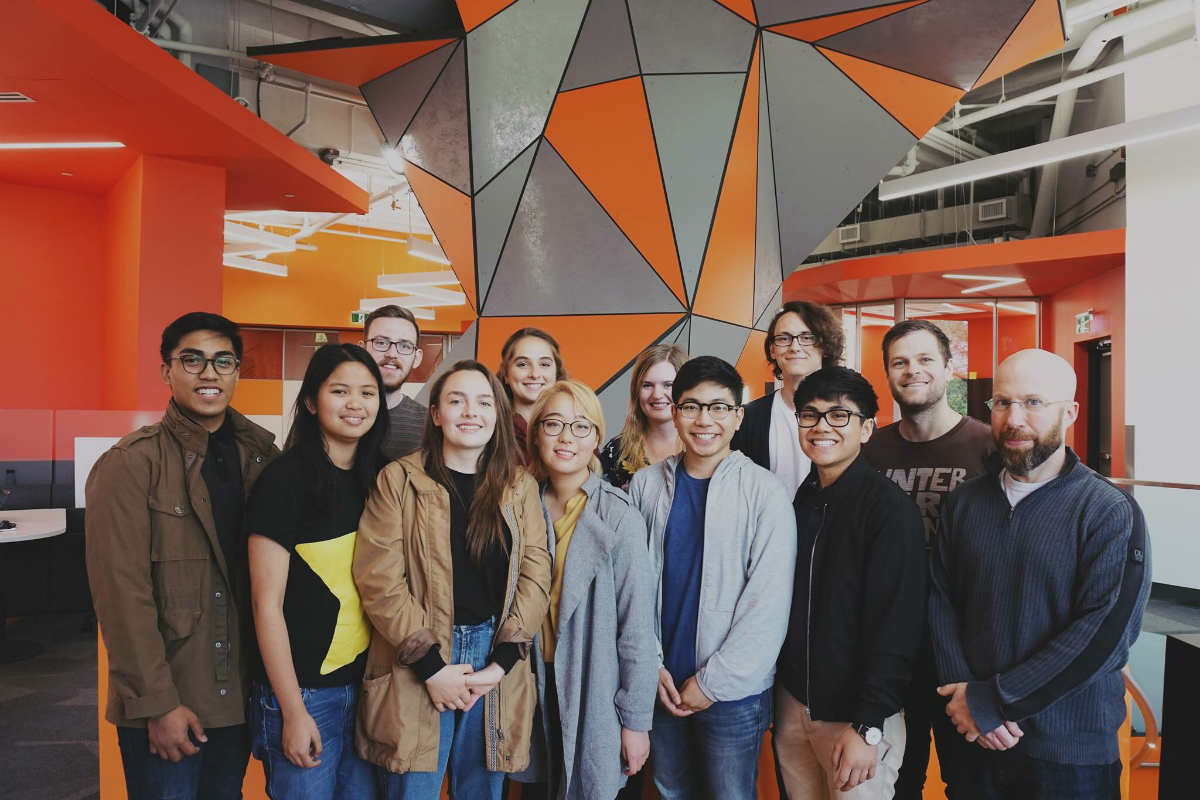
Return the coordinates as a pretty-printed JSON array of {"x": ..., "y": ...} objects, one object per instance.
[{"x": 804, "y": 749}]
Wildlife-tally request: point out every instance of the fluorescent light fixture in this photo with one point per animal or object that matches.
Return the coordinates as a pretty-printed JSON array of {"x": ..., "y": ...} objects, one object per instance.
[
  {"x": 990, "y": 281},
  {"x": 422, "y": 288},
  {"x": 254, "y": 265},
  {"x": 395, "y": 161},
  {"x": 1018, "y": 309},
  {"x": 403, "y": 281},
  {"x": 60, "y": 145},
  {"x": 369, "y": 304},
  {"x": 430, "y": 251}
]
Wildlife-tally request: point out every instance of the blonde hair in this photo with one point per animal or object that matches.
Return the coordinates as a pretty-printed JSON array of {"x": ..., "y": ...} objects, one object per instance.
[
  {"x": 632, "y": 456},
  {"x": 585, "y": 401}
]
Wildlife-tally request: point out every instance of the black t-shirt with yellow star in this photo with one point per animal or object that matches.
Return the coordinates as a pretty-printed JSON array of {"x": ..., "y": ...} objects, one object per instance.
[{"x": 325, "y": 622}]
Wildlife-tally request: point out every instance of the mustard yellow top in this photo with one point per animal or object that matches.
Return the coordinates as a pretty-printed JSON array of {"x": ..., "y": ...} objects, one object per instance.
[{"x": 563, "y": 530}]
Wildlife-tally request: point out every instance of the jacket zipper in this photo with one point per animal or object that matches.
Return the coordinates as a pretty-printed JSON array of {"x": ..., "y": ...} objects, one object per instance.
[
  {"x": 495, "y": 733},
  {"x": 808, "y": 622}
]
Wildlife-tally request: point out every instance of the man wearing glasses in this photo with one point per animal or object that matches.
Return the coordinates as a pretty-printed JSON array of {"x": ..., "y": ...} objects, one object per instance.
[
  {"x": 1041, "y": 570},
  {"x": 166, "y": 558},
  {"x": 723, "y": 544},
  {"x": 858, "y": 605},
  {"x": 393, "y": 339}
]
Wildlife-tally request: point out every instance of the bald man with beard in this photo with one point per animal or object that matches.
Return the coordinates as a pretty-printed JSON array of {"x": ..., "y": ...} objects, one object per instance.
[{"x": 1041, "y": 570}]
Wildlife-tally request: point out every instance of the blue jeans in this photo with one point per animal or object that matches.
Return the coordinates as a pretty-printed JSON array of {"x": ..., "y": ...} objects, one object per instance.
[
  {"x": 341, "y": 773},
  {"x": 713, "y": 753},
  {"x": 460, "y": 738},
  {"x": 215, "y": 773},
  {"x": 1007, "y": 774}
]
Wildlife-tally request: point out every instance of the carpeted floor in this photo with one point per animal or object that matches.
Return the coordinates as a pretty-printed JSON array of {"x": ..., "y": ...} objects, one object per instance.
[{"x": 48, "y": 747}]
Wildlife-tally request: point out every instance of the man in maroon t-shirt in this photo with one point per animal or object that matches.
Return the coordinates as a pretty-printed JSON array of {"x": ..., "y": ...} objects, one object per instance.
[{"x": 928, "y": 453}]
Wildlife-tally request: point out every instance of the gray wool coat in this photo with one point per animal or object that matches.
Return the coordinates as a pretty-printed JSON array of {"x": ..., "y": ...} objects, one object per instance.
[{"x": 606, "y": 655}]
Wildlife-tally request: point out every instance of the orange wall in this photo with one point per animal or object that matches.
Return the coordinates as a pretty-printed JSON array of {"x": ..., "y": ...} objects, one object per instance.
[{"x": 874, "y": 371}]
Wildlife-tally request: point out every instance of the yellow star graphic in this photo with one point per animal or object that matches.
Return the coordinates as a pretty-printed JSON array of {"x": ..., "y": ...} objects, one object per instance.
[{"x": 331, "y": 561}]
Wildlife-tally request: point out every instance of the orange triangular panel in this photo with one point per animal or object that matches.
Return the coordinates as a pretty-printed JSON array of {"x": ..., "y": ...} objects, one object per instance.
[
  {"x": 752, "y": 364},
  {"x": 476, "y": 12},
  {"x": 916, "y": 103},
  {"x": 813, "y": 30},
  {"x": 726, "y": 289},
  {"x": 743, "y": 8},
  {"x": 1039, "y": 33},
  {"x": 603, "y": 132},
  {"x": 594, "y": 348},
  {"x": 449, "y": 213},
  {"x": 353, "y": 65}
]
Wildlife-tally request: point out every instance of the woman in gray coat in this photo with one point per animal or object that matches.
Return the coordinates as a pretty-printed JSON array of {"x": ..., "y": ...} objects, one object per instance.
[{"x": 596, "y": 656}]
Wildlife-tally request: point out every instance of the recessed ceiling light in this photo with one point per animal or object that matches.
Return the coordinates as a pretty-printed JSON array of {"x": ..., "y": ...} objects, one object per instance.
[
  {"x": 66, "y": 174},
  {"x": 288, "y": 195},
  {"x": 60, "y": 145}
]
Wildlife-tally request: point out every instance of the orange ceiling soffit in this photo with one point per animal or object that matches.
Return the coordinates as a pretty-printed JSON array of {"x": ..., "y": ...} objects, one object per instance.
[
  {"x": 723, "y": 292},
  {"x": 1039, "y": 33},
  {"x": 603, "y": 132},
  {"x": 917, "y": 103},
  {"x": 349, "y": 61},
  {"x": 813, "y": 30},
  {"x": 449, "y": 213},
  {"x": 594, "y": 347},
  {"x": 743, "y": 8},
  {"x": 476, "y": 12}
]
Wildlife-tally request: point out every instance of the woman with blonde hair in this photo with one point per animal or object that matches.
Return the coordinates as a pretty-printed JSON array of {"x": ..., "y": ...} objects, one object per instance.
[
  {"x": 649, "y": 434},
  {"x": 596, "y": 654}
]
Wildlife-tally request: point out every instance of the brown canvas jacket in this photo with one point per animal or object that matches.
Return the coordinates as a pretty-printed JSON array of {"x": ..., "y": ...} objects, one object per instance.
[
  {"x": 402, "y": 567},
  {"x": 159, "y": 580}
]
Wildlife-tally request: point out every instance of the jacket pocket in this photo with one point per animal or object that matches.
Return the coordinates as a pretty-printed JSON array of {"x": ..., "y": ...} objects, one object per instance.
[
  {"x": 390, "y": 711},
  {"x": 179, "y": 555},
  {"x": 177, "y": 623}
]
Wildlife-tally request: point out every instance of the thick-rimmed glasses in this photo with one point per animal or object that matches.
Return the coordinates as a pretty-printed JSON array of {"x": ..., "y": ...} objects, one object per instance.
[
  {"x": 1031, "y": 405},
  {"x": 784, "y": 340},
  {"x": 580, "y": 428},
  {"x": 836, "y": 417},
  {"x": 194, "y": 363},
  {"x": 718, "y": 410},
  {"x": 382, "y": 344}
]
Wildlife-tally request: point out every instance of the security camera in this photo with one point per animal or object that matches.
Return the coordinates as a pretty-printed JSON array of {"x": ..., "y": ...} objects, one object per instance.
[{"x": 329, "y": 155}]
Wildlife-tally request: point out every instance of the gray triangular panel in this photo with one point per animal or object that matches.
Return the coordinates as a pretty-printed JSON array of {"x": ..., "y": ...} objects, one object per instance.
[
  {"x": 711, "y": 337},
  {"x": 768, "y": 272},
  {"x": 693, "y": 118},
  {"x": 437, "y": 139},
  {"x": 463, "y": 348},
  {"x": 832, "y": 142},
  {"x": 495, "y": 205},
  {"x": 395, "y": 96},
  {"x": 565, "y": 255},
  {"x": 690, "y": 36},
  {"x": 614, "y": 401},
  {"x": 773, "y": 12},
  {"x": 516, "y": 61},
  {"x": 769, "y": 309},
  {"x": 605, "y": 50},
  {"x": 682, "y": 335}
]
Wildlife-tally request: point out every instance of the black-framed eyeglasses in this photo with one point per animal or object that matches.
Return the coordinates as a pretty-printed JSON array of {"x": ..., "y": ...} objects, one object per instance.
[
  {"x": 580, "y": 428},
  {"x": 1031, "y": 405},
  {"x": 382, "y": 344},
  {"x": 836, "y": 417},
  {"x": 784, "y": 340},
  {"x": 194, "y": 363},
  {"x": 718, "y": 410}
]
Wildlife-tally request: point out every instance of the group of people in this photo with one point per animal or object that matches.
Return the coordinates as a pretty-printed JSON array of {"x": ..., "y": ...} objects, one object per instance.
[{"x": 489, "y": 591}]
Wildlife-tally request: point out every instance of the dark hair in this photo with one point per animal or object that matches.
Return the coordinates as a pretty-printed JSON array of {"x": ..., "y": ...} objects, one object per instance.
[
  {"x": 821, "y": 321},
  {"x": 832, "y": 384},
  {"x": 497, "y": 463},
  {"x": 198, "y": 321},
  {"x": 318, "y": 491},
  {"x": 902, "y": 329},
  {"x": 510, "y": 344},
  {"x": 703, "y": 369},
  {"x": 391, "y": 311}
]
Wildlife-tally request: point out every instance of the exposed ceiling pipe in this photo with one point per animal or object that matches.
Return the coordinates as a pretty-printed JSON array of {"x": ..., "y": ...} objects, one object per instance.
[
  {"x": 908, "y": 167},
  {"x": 303, "y": 120},
  {"x": 1090, "y": 9}
]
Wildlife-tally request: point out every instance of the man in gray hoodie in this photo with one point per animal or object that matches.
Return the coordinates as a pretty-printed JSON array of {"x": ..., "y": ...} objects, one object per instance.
[{"x": 723, "y": 544}]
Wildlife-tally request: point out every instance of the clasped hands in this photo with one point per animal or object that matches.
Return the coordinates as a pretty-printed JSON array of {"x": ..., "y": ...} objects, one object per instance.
[
  {"x": 681, "y": 702},
  {"x": 459, "y": 687},
  {"x": 1002, "y": 738}
]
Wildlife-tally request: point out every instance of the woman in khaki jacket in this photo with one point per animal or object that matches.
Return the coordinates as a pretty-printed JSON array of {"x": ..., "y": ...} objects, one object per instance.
[{"x": 452, "y": 567}]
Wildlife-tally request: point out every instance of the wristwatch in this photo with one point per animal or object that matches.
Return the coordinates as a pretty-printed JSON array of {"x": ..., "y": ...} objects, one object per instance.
[{"x": 871, "y": 735}]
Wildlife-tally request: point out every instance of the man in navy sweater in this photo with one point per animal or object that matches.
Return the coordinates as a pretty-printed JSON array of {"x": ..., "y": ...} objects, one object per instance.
[{"x": 1040, "y": 575}]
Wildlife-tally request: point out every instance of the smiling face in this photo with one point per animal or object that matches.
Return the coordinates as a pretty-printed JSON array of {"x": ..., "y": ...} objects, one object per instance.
[
  {"x": 394, "y": 366},
  {"x": 530, "y": 371},
  {"x": 205, "y": 396},
  {"x": 705, "y": 437},
  {"x": 917, "y": 373},
  {"x": 566, "y": 453},
  {"x": 654, "y": 397},
  {"x": 466, "y": 412},
  {"x": 833, "y": 449},
  {"x": 346, "y": 403},
  {"x": 796, "y": 361},
  {"x": 1029, "y": 432}
]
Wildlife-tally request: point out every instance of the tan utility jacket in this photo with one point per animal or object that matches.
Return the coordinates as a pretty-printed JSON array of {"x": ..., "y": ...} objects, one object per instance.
[
  {"x": 402, "y": 567},
  {"x": 159, "y": 580}
]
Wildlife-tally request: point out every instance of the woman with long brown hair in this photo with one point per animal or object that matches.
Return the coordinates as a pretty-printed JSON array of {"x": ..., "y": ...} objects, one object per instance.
[
  {"x": 454, "y": 575},
  {"x": 649, "y": 434},
  {"x": 529, "y": 362}
]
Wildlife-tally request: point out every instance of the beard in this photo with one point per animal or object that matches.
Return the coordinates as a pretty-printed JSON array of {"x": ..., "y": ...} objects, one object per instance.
[
  {"x": 390, "y": 383},
  {"x": 933, "y": 395},
  {"x": 1022, "y": 462}
]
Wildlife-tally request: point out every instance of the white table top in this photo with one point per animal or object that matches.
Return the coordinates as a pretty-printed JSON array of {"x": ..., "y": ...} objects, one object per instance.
[{"x": 33, "y": 523}]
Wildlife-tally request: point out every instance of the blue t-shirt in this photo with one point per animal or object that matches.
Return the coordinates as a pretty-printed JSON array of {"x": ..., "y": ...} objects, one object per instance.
[{"x": 683, "y": 561}]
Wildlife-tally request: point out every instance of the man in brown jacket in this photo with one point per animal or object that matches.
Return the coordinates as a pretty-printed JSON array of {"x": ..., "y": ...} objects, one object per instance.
[{"x": 166, "y": 559}]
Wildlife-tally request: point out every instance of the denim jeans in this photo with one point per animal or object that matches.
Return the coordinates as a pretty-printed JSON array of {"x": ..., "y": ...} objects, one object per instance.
[
  {"x": 713, "y": 753},
  {"x": 215, "y": 773},
  {"x": 1007, "y": 774},
  {"x": 460, "y": 738},
  {"x": 340, "y": 773}
]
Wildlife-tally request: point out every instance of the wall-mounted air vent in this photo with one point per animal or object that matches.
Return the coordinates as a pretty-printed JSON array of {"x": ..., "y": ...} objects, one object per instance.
[
  {"x": 14, "y": 97},
  {"x": 849, "y": 234},
  {"x": 993, "y": 209}
]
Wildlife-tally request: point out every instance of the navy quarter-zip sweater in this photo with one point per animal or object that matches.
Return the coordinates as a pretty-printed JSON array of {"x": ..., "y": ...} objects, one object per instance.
[{"x": 1035, "y": 607}]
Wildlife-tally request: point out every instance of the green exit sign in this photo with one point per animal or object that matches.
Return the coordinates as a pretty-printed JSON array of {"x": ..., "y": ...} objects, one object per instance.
[{"x": 358, "y": 317}]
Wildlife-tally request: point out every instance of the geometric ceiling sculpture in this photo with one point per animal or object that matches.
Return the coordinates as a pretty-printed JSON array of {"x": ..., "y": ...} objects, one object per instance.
[{"x": 621, "y": 172}]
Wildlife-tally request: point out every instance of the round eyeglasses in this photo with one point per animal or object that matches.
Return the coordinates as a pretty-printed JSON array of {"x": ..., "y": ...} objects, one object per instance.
[
  {"x": 381, "y": 344},
  {"x": 580, "y": 428},
  {"x": 717, "y": 411},
  {"x": 836, "y": 417},
  {"x": 194, "y": 363}
]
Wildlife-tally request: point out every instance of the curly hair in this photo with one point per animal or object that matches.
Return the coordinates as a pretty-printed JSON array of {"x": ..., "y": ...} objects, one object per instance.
[{"x": 821, "y": 321}]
